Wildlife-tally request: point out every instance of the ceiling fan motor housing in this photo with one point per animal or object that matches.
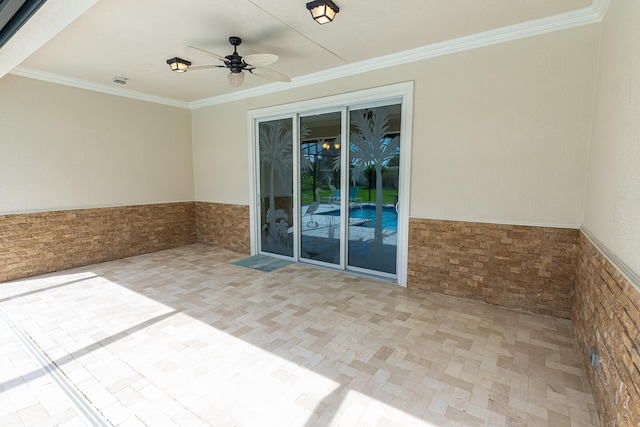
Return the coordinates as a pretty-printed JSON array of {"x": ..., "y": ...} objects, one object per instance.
[{"x": 235, "y": 62}]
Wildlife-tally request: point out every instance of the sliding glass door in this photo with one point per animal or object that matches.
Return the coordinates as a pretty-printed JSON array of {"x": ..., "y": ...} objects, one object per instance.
[
  {"x": 329, "y": 186},
  {"x": 374, "y": 161},
  {"x": 275, "y": 148},
  {"x": 320, "y": 188}
]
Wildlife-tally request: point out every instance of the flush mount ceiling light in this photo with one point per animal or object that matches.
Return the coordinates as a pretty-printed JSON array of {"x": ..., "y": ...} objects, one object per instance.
[
  {"x": 323, "y": 11},
  {"x": 178, "y": 65}
]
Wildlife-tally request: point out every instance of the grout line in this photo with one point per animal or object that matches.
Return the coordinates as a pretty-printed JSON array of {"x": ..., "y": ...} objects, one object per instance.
[{"x": 79, "y": 401}]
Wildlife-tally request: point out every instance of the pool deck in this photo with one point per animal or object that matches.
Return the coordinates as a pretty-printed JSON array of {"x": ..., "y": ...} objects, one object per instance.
[{"x": 319, "y": 225}]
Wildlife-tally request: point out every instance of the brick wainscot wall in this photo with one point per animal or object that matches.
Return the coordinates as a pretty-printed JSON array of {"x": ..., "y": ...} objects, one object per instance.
[
  {"x": 523, "y": 267},
  {"x": 224, "y": 225},
  {"x": 43, "y": 242},
  {"x": 606, "y": 315}
]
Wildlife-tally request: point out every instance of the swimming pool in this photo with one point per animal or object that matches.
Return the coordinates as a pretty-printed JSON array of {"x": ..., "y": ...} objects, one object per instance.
[{"x": 389, "y": 216}]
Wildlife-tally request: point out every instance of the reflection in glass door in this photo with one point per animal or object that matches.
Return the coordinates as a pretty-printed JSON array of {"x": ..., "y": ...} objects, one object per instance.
[
  {"x": 275, "y": 147},
  {"x": 374, "y": 159},
  {"x": 320, "y": 195}
]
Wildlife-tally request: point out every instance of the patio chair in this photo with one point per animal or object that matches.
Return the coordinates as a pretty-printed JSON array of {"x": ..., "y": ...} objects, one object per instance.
[{"x": 353, "y": 197}]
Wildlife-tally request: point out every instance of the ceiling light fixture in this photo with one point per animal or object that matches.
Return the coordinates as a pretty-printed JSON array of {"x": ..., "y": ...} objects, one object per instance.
[
  {"x": 323, "y": 11},
  {"x": 178, "y": 65},
  {"x": 327, "y": 145}
]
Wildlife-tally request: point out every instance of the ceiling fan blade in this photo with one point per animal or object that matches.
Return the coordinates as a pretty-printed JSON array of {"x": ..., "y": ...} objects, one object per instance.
[
  {"x": 221, "y": 58},
  {"x": 269, "y": 74},
  {"x": 235, "y": 79},
  {"x": 260, "y": 59},
  {"x": 205, "y": 67}
]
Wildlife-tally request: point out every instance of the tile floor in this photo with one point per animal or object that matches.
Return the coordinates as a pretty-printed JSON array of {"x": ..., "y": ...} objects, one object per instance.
[{"x": 183, "y": 337}]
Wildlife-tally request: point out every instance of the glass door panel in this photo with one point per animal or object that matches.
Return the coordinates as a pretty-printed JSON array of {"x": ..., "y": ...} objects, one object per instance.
[
  {"x": 275, "y": 147},
  {"x": 374, "y": 158},
  {"x": 320, "y": 195}
]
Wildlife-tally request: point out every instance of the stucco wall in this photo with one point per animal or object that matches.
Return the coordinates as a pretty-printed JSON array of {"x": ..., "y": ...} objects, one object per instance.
[
  {"x": 500, "y": 133},
  {"x": 612, "y": 208},
  {"x": 66, "y": 148}
]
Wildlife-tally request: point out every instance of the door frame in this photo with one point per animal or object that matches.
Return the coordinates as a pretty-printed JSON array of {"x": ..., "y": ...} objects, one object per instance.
[{"x": 403, "y": 92}]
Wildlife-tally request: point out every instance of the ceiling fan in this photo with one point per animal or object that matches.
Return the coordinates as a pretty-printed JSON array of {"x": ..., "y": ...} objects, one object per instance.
[{"x": 237, "y": 64}]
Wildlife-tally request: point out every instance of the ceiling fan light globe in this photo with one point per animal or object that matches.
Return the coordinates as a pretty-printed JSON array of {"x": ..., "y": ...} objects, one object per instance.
[{"x": 235, "y": 79}]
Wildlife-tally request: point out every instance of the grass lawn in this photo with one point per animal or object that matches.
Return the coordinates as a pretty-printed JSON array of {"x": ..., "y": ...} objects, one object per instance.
[{"x": 388, "y": 195}]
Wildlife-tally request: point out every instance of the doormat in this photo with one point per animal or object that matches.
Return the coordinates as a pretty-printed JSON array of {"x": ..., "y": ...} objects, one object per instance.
[{"x": 262, "y": 263}]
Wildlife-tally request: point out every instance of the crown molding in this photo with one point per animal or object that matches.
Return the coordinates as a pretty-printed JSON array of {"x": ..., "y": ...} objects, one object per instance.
[
  {"x": 95, "y": 87},
  {"x": 589, "y": 15},
  {"x": 601, "y": 7}
]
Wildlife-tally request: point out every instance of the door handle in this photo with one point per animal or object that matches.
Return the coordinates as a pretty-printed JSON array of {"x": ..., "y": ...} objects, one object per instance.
[{"x": 397, "y": 203}]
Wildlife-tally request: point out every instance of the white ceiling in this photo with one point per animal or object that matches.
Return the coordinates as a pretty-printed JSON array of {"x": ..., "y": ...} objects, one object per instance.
[{"x": 134, "y": 39}]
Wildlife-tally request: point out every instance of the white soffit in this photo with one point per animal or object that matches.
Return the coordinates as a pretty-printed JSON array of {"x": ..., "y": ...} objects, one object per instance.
[
  {"x": 48, "y": 21},
  {"x": 585, "y": 16}
]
